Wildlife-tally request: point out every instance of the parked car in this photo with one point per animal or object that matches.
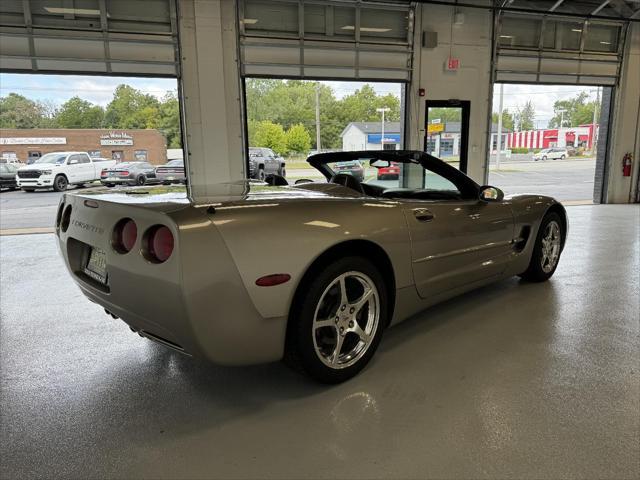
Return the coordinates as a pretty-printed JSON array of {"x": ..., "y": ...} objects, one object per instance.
[
  {"x": 354, "y": 168},
  {"x": 128, "y": 173},
  {"x": 336, "y": 263},
  {"x": 12, "y": 160},
  {"x": 8, "y": 176},
  {"x": 263, "y": 162},
  {"x": 58, "y": 170},
  {"x": 551, "y": 153},
  {"x": 392, "y": 172},
  {"x": 171, "y": 172}
]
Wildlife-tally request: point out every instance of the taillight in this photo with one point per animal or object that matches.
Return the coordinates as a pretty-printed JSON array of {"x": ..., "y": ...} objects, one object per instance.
[
  {"x": 103, "y": 173},
  {"x": 125, "y": 234},
  {"x": 124, "y": 173},
  {"x": 158, "y": 244}
]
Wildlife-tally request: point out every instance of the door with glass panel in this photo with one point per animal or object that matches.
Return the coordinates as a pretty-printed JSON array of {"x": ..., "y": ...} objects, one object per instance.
[{"x": 447, "y": 131}]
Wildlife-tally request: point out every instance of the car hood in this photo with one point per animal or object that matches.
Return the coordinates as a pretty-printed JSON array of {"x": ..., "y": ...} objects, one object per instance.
[{"x": 39, "y": 166}]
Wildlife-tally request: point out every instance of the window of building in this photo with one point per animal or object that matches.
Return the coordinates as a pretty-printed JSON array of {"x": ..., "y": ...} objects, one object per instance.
[
  {"x": 35, "y": 154},
  {"x": 140, "y": 155},
  {"x": 94, "y": 153},
  {"x": 117, "y": 155}
]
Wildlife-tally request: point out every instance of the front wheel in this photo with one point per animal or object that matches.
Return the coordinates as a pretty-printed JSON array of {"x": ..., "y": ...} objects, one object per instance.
[
  {"x": 261, "y": 174},
  {"x": 141, "y": 180},
  {"x": 60, "y": 183},
  {"x": 282, "y": 172},
  {"x": 562, "y": 157},
  {"x": 546, "y": 250},
  {"x": 337, "y": 323}
]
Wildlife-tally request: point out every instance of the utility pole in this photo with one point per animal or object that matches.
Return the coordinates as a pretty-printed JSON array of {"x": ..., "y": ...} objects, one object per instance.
[
  {"x": 318, "y": 147},
  {"x": 382, "y": 110},
  {"x": 595, "y": 119},
  {"x": 499, "y": 127}
]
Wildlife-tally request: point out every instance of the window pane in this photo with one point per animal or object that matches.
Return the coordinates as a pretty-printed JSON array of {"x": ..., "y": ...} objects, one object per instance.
[
  {"x": 315, "y": 19},
  {"x": 602, "y": 38},
  {"x": 568, "y": 35},
  {"x": 376, "y": 23},
  {"x": 519, "y": 32},
  {"x": 262, "y": 16},
  {"x": 344, "y": 21}
]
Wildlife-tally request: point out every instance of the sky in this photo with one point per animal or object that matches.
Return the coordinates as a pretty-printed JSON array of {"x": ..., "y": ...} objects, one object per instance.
[
  {"x": 542, "y": 96},
  {"x": 99, "y": 90}
]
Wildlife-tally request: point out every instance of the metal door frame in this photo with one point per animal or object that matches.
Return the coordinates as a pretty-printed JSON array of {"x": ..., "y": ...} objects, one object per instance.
[{"x": 465, "y": 106}]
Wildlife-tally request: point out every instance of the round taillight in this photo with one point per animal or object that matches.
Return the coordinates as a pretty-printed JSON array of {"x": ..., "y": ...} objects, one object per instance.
[
  {"x": 125, "y": 234},
  {"x": 66, "y": 219},
  {"x": 158, "y": 244}
]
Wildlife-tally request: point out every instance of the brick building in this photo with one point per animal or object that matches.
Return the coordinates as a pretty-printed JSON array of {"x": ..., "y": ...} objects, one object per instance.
[{"x": 122, "y": 145}]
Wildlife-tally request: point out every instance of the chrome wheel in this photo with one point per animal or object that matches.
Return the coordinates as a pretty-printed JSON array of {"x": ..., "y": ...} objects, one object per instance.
[
  {"x": 346, "y": 320},
  {"x": 550, "y": 247}
]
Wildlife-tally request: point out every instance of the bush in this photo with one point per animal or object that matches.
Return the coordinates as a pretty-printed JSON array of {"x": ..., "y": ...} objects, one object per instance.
[{"x": 519, "y": 150}]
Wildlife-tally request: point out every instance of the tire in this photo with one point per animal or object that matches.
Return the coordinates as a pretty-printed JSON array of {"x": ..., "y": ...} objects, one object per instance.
[
  {"x": 141, "y": 180},
  {"x": 282, "y": 172},
  {"x": 261, "y": 175},
  {"x": 312, "y": 348},
  {"x": 541, "y": 268},
  {"x": 110, "y": 185},
  {"x": 60, "y": 183},
  {"x": 544, "y": 158},
  {"x": 562, "y": 157}
]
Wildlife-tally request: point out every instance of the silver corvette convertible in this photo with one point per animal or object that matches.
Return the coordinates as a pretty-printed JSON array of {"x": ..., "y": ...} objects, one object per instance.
[{"x": 311, "y": 273}]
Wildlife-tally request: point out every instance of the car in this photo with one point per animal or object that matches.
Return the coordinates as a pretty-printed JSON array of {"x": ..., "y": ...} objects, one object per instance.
[
  {"x": 263, "y": 162},
  {"x": 171, "y": 172},
  {"x": 354, "y": 168},
  {"x": 128, "y": 173},
  {"x": 392, "y": 172},
  {"x": 551, "y": 153},
  {"x": 8, "y": 176},
  {"x": 311, "y": 273},
  {"x": 58, "y": 170}
]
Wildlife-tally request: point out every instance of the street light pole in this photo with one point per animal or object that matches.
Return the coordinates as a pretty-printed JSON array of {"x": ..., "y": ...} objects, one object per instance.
[
  {"x": 499, "y": 128},
  {"x": 382, "y": 110}
]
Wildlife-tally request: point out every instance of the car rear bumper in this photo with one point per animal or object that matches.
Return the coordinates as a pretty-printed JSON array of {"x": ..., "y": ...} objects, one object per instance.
[
  {"x": 170, "y": 177},
  {"x": 194, "y": 302}
]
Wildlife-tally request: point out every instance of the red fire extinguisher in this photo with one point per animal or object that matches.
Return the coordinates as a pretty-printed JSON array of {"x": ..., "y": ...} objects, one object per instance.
[{"x": 626, "y": 165}]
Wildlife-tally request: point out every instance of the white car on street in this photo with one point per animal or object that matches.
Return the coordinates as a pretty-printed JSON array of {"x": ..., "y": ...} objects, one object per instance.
[
  {"x": 551, "y": 154},
  {"x": 58, "y": 170}
]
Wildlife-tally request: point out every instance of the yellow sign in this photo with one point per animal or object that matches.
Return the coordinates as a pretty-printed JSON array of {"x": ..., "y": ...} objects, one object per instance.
[{"x": 435, "y": 127}]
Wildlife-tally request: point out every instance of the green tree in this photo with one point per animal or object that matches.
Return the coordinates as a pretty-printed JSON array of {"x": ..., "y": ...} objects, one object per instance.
[
  {"x": 169, "y": 123},
  {"x": 445, "y": 115},
  {"x": 131, "y": 108},
  {"x": 577, "y": 111},
  {"x": 525, "y": 116},
  {"x": 507, "y": 119},
  {"x": 17, "y": 111},
  {"x": 78, "y": 113},
  {"x": 270, "y": 135},
  {"x": 298, "y": 139}
]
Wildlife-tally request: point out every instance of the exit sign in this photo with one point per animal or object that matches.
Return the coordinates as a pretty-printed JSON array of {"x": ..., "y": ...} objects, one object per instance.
[{"x": 453, "y": 63}]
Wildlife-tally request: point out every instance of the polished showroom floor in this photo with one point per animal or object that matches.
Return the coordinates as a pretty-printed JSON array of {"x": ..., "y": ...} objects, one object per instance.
[{"x": 515, "y": 380}]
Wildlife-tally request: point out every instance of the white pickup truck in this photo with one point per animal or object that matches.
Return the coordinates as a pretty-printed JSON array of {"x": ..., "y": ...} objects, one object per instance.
[{"x": 58, "y": 170}]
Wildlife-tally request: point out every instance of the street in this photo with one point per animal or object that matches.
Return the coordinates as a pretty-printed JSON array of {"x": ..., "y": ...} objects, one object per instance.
[{"x": 566, "y": 180}]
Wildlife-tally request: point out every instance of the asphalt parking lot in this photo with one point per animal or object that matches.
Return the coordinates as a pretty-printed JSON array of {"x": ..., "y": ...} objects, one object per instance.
[{"x": 566, "y": 180}]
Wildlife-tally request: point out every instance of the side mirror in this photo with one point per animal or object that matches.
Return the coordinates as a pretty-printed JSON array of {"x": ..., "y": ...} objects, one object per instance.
[{"x": 491, "y": 194}]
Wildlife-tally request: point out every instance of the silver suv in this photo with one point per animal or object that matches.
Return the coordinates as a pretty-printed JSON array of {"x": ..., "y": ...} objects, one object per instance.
[{"x": 263, "y": 162}]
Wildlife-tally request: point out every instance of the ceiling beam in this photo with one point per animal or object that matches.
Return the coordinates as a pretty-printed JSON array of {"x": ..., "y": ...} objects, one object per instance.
[
  {"x": 556, "y": 5},
  {"x": 600, "y": 7}
]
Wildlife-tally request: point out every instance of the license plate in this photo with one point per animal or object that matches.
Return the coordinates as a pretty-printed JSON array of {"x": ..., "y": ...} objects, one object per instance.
[
  {"x": 169, "y": 178},
  {"x": 96, "y": 266}
]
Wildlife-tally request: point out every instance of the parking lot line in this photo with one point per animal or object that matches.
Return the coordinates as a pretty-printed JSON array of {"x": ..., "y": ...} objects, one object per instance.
[{"x": 26, "y": 231}]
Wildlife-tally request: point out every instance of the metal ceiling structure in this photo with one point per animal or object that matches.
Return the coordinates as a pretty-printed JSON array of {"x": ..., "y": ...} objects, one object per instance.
[
  {"x": 105, "y": 37},
  {"x": 358, "y": 40}
]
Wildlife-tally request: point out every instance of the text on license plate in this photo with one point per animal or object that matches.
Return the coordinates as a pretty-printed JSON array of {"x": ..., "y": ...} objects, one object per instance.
[{"x": 96, "y": 266}]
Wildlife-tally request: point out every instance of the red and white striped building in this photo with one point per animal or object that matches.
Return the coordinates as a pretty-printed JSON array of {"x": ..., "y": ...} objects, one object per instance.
[{"x": 581, "y": 136}]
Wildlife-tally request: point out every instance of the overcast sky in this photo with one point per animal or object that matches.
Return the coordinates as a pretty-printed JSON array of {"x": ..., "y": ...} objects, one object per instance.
[{"x": 99, "y": 90}]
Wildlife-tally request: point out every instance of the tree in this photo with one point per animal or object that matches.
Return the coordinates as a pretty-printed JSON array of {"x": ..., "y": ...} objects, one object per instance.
[
  {"x": 577, "y": 111},
  {"x": 270, "y": 135},
  {"x": 131, "y": 108},
  {"x": 78, "y": 113},
  {"x": 298, "y": 139},
  {"x": 507, "y": 119},
  {"x": 17, "y": 111},
  {"x": 169, "y": 123},
  {"x": 525, "y": 116}
]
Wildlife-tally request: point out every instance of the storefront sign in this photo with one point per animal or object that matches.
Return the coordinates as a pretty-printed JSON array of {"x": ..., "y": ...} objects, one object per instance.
[
  {"x": 116, "y": 138},
  {"x": 33, "y": 141},
  {"x": 435, "y": 127}
]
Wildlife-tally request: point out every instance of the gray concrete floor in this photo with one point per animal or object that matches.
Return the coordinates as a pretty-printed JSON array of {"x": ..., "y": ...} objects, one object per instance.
[{"x": 514, "y": 380}]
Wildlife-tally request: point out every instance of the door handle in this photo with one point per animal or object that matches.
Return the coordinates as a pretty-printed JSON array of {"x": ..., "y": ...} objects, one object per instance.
[{"x": 423, "y": 214}]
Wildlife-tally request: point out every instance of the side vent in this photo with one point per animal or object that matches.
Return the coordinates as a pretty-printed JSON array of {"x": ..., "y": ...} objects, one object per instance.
[{"x": 521, "y": 242}]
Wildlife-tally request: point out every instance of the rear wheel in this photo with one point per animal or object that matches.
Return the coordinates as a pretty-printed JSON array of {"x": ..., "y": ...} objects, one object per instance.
[
  {"x": 60, "y": 183},
  {"x": 141, "y": 180},
  {"x": 282, "y": 172},
  {"x": 546, "y": 250},
  {"x": 544, "y": 158},
  {"x": 338, "y": 321},
  {"x": 562, "y": 157}
]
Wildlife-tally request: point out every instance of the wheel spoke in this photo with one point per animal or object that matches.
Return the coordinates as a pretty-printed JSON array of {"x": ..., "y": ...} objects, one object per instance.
[
  {"x": 362, "y": 301},
  {"x": 357, "y": 329},
  {"x": 324, "y": 323},
  {"x": 343, "y": 291},
  {"x": 336, "y": 351}
]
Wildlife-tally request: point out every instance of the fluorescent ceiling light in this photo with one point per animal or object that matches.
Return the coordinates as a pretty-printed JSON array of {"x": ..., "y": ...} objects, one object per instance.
[
  {"x": 72, "y": 11},
  {"x": 506, "y": 36},
  {"x": 249, "y": 21},
  {"x": 367, "y": 29},
  {"x": 605, "y": 43},
  {"x": 576, "y": 30}
]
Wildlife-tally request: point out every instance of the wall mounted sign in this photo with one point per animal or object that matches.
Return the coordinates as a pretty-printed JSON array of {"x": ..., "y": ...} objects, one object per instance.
[
  {"x": 116, "y": 138},
  {"x": 33, "y": 141}
]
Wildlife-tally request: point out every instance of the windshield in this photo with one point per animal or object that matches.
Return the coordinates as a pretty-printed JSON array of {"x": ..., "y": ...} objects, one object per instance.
[
  {"x": 52, "y": 158},
  {"x": 175, "y": 163}
]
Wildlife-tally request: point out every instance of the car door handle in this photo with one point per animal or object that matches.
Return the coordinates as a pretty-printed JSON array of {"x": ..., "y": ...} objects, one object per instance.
[{"x": 423, "y": 214}]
